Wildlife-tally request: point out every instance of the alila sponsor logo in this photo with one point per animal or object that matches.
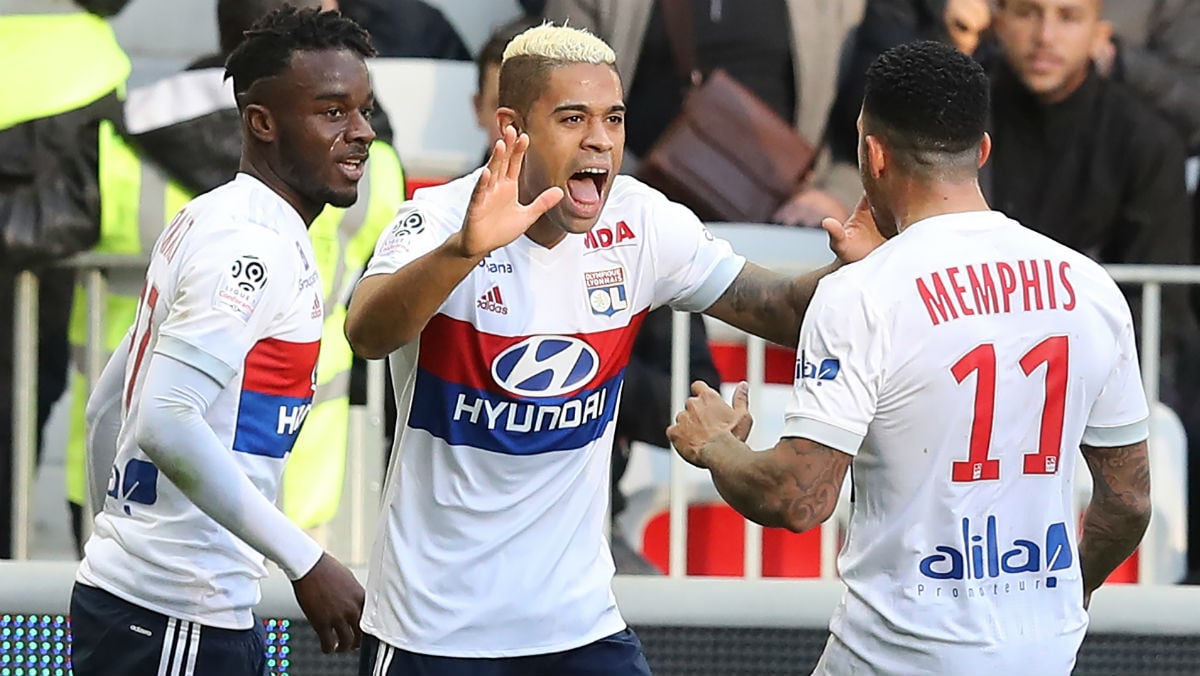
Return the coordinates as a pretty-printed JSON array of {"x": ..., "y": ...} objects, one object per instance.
[
  {"x": 981, "y": 560},
  {"x": 826, "y": 369}
]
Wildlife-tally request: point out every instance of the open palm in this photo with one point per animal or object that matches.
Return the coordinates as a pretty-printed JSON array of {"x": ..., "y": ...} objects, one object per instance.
[{"x": 495, "y": 216}]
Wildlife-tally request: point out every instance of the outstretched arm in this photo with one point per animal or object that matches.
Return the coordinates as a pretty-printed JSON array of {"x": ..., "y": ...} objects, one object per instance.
[
  {"x": 389, "y": 311},
  {"x": 771, "y": 305},
  {"x": 1119, "y": 511},
  {"x": 794, "y": 485}
]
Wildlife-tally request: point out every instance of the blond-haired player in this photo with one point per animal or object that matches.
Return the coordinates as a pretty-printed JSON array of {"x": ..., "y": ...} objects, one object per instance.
[{"x": 509, "y": 301}]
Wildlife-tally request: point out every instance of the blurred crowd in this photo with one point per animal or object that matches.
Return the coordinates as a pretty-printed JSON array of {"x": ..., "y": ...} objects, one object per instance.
[{"x": 1095, "y": 112}]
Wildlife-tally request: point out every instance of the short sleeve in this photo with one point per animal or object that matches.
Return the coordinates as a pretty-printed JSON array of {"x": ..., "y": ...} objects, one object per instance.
[
  {"x": 417, "y": 229},
  {"x": 228, "y": 295},
  {"x": 1119, "y": 415},
  {"x": 839, "y": 368},
  {"x": 694, "y": 267}
]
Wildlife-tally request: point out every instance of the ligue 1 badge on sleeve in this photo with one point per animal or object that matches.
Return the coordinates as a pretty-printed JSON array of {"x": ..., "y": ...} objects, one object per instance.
[
  {"x": 242, "y": 287},
  {"x": 606, "y": 291}
]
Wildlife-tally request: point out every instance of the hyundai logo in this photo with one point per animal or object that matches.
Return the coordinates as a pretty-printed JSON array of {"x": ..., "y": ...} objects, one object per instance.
[{"x": 545, "y": 366}]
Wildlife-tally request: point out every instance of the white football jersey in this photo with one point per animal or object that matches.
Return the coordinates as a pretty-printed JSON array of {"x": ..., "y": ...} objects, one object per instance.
[
  {"x": 492, "y": 542},
  {"x": 963, "y": 363},
  {"x": 232, "y": 290}
]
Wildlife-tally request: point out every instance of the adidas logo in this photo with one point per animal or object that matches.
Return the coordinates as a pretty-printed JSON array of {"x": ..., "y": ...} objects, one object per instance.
[
  {"x": 317, "y": 310},
  {"x": 492, "y": 301}
]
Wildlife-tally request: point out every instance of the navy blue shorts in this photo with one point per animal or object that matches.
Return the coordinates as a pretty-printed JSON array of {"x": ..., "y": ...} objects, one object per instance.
[
  {"x": 112, "y": 637},
  {"x": 616, "y": 655}
]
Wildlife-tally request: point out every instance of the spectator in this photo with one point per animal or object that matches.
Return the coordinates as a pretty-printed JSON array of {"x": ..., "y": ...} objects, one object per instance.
[
  {"x": 184, "y": 150},
  {"x": 50, "y": 139},
  {"x": 785, "y": 51},
  {"x": 486, "y": 99},
  {"x": 1087, "y": 161}
]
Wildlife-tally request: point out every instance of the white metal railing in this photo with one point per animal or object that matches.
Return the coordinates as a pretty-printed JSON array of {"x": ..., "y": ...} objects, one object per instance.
[
  {"x": 93, "y": 268},
  {"x": 366, "y": 429}
]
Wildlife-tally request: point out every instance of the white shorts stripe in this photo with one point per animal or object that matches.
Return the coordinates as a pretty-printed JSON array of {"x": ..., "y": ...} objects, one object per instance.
[
  {"x": 181, "y": 647},
  {"x": 383, "y": 660},
  {"x": 168, "y": 643},
  {"x": 193, "y": 650},
  {"x": 387, "y": 663}
]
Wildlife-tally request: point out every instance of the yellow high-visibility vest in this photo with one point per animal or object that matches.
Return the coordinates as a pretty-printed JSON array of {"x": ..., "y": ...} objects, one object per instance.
[
  {"x": 137, "y": 202},
  {"x": 55, "y": 63}
]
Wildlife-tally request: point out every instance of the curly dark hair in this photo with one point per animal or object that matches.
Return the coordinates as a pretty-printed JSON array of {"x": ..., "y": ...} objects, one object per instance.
[
  {"x": 271, "y": 41},
  {"x": 928, "y": 100}
]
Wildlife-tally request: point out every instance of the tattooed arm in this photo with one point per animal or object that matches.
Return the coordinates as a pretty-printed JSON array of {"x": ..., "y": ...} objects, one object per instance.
[
  {"x": 794, "y": 485},
  {"x": 1118, "y": 513},
  {"x": 768, "y": 304},
  {"x": 771, "y": 305}
]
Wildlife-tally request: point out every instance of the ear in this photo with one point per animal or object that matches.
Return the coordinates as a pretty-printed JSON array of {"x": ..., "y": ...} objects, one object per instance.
[
  {"x": 877, "y": 156},
  {"x": 260, "y": 122},
  {"x": 507, "y": 117},
  {"x": 985, "y": 149},
  {"x": 1104, "y": 33}
]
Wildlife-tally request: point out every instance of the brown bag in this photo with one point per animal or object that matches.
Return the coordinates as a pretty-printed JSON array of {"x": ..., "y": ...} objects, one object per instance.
[{"x": 727, "y": 155}]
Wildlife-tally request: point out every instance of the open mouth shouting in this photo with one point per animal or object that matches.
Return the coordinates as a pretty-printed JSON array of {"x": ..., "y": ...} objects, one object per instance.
[{"x": 585, "y": 191}]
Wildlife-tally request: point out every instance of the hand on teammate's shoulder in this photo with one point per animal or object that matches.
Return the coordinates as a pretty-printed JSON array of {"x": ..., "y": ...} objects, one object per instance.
[{"x": 856, "y": 237}]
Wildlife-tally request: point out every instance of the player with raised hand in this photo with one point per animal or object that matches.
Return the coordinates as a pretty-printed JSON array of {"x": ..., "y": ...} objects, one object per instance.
[
  {"x": 216, "y": 376},
  {"x": 508, "y": 302},
  {"x": 961, "y": 367}
]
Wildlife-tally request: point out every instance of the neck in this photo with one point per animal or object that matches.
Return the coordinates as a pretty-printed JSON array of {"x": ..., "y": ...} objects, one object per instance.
[
  {"x": 938, "y": 199},
  {"x": 545, "y": 233},
  {"x": 259, "y": 168}
]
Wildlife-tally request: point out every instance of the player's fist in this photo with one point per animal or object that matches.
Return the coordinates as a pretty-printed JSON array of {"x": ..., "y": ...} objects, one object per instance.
[
  {"x": 858, "y": 236},
  {"x": 495, "y": 216},
  {"x": 332, "y": 600},
  {"x": 706, "y": 417}
]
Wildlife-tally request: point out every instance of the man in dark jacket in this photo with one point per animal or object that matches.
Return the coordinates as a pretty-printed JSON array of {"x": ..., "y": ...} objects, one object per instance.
[{"x": 1089, "y": 162}]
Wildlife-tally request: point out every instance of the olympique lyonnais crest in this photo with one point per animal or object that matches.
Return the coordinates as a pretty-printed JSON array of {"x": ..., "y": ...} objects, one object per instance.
[{"x": 606, "y": 291}]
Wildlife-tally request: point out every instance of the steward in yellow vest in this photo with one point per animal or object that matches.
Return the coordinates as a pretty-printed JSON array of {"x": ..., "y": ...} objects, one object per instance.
[{"x": 63, "y": 77}]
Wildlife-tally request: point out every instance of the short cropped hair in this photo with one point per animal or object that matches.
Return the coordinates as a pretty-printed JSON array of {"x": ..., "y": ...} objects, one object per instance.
[
  {"x": 269, "y": 44},
  {"x": 530, "y": 56},
  {"x": 929, "y": 102}
]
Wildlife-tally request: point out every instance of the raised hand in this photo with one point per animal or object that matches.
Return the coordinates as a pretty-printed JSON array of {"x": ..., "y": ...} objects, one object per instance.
[
  {"x": 858, "y": 236},
  {"x": 495, "y": 215}
]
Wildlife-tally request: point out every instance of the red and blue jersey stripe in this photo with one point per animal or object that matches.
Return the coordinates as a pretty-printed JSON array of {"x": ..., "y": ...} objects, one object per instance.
[
  {"x": 457, "y": 398},
  {"x": 277, "y": 391}
]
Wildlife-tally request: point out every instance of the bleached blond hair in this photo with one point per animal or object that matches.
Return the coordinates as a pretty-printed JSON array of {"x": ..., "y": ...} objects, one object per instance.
[
  {"x": 532, "y": 55},
  {"x": 560, "y": 43}
]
